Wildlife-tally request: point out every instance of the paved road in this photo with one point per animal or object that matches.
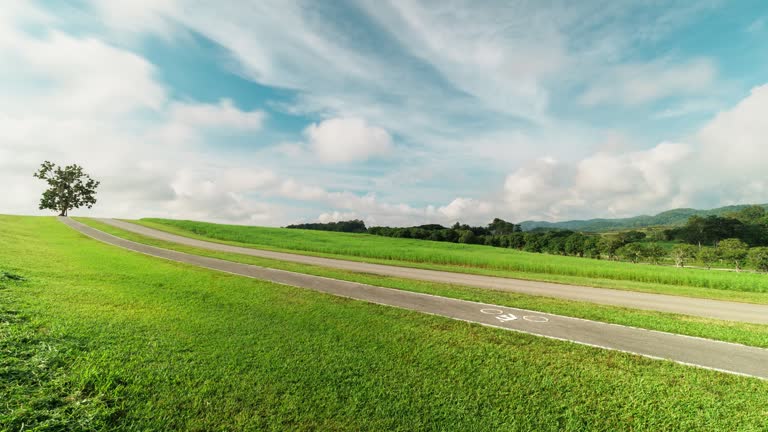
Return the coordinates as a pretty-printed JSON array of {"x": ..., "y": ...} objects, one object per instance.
[
  {"x": 722, "y": 356},
  {"x": 724, "y": 310}
]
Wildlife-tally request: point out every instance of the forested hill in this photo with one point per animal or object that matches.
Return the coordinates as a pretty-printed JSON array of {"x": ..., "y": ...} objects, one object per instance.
[{"x": 667, "y": 218}]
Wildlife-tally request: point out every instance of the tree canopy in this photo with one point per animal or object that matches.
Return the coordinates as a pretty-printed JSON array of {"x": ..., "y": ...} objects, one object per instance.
[
  {"x": 69, "y": 188},
  {"x": 351, "y": 226},
  {"x": 735, "y": 251},
  {"x": 748, "y": 225}
]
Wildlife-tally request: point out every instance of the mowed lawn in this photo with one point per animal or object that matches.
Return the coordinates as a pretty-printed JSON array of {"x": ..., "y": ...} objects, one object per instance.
[
  {"x": 717, "y": 284},
  {"x": 97, "y": 338}
]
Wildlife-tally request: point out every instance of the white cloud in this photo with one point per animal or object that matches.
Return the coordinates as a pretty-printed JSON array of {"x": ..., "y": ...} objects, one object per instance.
[
  {"x": 374, "y": 212},
  {"x": 730, "y": 160},
  {"x": 208, "y": 198},
  {"x": 348, "y": 140},
  {"x": 688, "y": 108},
  {"x": 723, "y": 163},
  {"x": 103, "y": 106},
  {"x": 534, "y": 189},
  {"x": 223, "y": 115},
  {"x": 76, "y": 76},
  {"x": 464, "y": 209},
  {"x": 606, "y": 184},
  {"x": 187, "y": 120},
  {"x": 293, "y": 150},
  {"x": 635, "y": 84},
  {"x": 451, "y": 81},
  {"x": 137, "y": 16},
  {"x": 500, "y": 61},
  {"x": 337, "y": 216},
  {"x": 81, "y": 100}
]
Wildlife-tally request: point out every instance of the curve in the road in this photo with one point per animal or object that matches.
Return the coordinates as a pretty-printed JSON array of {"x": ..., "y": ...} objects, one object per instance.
[
  {"x": 724, "y": 310},
  {"x": 722, "y": 356}
]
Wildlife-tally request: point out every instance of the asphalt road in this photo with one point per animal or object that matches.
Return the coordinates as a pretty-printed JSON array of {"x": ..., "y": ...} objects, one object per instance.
[
  {"x": 724, "y": 310},
  {"x": 722, "y": 356}
]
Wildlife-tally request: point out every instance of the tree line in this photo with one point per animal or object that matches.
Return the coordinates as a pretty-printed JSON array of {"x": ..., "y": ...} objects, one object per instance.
[
  {"x": 500, "y": 233},
  {"x": 351, "y": 226},
  {"x": 749, "y": 225},
  {"x": 737, "y": 239}
]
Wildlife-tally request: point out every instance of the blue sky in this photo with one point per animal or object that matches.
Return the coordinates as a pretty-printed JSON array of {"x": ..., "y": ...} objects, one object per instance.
[{"x": 397, "y": 112}]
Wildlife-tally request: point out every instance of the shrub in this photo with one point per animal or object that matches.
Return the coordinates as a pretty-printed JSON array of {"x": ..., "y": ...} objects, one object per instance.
[{"x": 758, "y": 257}]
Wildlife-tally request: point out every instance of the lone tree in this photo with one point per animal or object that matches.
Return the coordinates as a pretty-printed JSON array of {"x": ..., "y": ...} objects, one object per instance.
[{"x": 69, "y": 188}]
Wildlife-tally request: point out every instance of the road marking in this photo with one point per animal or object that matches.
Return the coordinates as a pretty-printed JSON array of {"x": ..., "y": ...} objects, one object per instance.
[
  {"x": 507, "y": 317},
  {"x": 492, "y": 311},
  {"x": 536, "y": 318}
]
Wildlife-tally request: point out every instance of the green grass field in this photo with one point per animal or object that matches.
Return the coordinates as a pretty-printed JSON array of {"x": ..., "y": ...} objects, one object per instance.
[
  {"x": 97, "y": 338},
  {"x": 748, "y": 287},
  {"x": 747, "y": 334}
]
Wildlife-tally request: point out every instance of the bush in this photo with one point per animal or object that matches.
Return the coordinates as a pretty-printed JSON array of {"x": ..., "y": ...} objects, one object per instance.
[
  {"x": 708, "y": 256},
  {"x": 467, "y": 237},
  {"x": 632, "y": 252},
  {"x": 735, "y": 251},
  {"x": 654, "y": 253},
  {"x": 682, "y": 253},
  {"x": 758, "y": 257}
]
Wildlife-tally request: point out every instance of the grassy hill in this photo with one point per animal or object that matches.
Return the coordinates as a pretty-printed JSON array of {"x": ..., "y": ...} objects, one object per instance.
[{"x": 667, "y": 218}]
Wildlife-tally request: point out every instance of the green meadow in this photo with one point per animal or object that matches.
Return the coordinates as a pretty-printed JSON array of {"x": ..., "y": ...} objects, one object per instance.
[
  {"x": 716, "y": 284},
  {"x": 96, "y": 338},
  {"x": 743, "y": 333}
]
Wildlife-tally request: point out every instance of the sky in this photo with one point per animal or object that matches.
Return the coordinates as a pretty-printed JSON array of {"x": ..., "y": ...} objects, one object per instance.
[{"x": 272, "y": 112}]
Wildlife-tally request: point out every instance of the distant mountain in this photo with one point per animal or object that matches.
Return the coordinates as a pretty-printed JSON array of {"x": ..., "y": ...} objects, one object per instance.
[{"x": 667, "y": 218}]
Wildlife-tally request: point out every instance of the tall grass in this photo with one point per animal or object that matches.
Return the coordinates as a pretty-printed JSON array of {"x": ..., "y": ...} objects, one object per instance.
[{"x": 462, "y": 257}]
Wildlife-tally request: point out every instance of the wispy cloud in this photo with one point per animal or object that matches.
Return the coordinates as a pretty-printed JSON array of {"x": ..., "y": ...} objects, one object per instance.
[
  {"x": 688, "y": 108},
  {"x": 400, "y": 112},
  {"x": 635, "y": 84}
]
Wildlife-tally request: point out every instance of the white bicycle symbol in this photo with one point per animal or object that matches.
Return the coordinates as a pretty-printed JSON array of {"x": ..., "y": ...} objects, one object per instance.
[{"x": 506, "y": 317}]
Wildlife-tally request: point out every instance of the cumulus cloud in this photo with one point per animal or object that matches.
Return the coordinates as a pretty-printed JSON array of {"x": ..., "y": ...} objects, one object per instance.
[
  {"x": 76, "y": 76},
  {"x": 499, "y": 59},
  {"x": 607, "y": 183},
  {"x": 534, "y": 189},
  {"x": 464, "y": 209},
  {"x": 337, "y": 216},
  {"x": 374, "y": 212},
  {"x": 81, "y": 98},
  {"x": 721, "y": 164},
  {"x": 347, "y": 140},
  {"x": 730, "y": 161},
  {"x": 78, "y": 99}
]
